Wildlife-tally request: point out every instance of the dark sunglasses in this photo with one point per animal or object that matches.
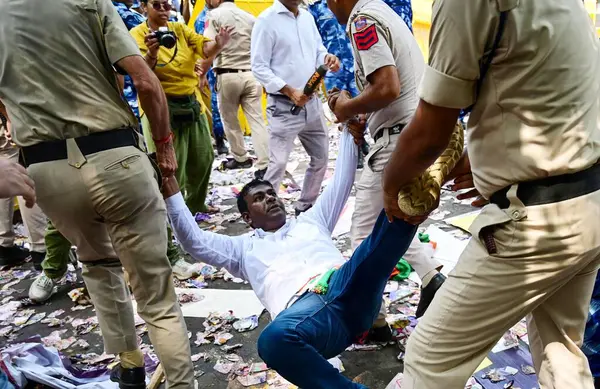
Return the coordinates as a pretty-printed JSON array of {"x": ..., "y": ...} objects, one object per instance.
[{"x": 157, "y": 5}]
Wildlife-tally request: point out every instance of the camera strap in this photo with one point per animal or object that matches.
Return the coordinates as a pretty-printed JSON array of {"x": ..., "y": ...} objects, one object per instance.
[
  {"x": 174, "y": 53},
  {"x": 171, "y": 60}
]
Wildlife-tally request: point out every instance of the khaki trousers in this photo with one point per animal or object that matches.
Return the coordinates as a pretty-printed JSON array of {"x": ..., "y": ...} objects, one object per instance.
[
  {"x": 310, "y": 127},
  {"x": 242, "y": 89},
  {"x": 111, "y": 199},
  {"x": 34, "y": 219},
  {"x": 545, "y": 266},
  {"x": 369, "y": 203}
]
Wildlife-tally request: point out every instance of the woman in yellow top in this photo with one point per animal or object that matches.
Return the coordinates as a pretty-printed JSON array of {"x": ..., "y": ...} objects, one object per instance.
[{"x": 174, "y": 68}]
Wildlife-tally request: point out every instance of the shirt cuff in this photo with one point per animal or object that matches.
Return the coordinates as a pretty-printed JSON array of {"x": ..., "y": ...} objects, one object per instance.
[
  {"x": 321, "y": 59},
  {"x": 442, "y": 90},
  {"x": 275, "y": 85},
  {"x": 175, "y": 203}
]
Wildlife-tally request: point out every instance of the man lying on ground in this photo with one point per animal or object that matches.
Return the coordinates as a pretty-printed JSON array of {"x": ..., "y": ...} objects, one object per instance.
[{"x": 320, "y": 303}]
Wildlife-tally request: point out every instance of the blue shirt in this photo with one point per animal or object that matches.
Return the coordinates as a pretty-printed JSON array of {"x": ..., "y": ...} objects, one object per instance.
[
  {"x": 200, "y": 22},
  {"x": 333, "y": 34},
  {"x": 591, "y": 340},
  {"x": 131, "y": 19}
]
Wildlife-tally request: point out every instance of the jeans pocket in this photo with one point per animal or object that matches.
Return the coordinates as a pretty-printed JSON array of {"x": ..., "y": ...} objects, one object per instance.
[{"x": 123, "y": 163}]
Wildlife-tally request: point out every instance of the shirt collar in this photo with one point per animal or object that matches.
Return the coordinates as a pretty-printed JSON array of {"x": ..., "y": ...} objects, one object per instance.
[
  {"x": 359, "y": 4},
  {"x": 260, "y": 233},
  {"x": 281, "y": 9}
]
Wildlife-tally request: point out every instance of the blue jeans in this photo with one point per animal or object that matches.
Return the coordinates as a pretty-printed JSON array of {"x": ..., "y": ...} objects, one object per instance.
[{"x": 299, "y": 341}]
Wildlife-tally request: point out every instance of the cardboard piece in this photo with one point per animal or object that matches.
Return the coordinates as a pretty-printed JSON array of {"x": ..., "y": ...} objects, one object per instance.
[
  {"x": 243, "y": 303},
  {"x": 463, "y": 221}
]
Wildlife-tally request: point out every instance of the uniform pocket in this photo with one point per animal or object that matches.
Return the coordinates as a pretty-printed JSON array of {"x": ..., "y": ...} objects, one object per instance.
[{"x": 123, "y": 163}]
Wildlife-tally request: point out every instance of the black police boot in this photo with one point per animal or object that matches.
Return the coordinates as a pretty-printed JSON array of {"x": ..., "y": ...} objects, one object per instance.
[
  {"x": 428, "y": 293},
  {"x": 232, "y": 164},
  {"x": 221, "y": 147},
  {"x": 260, "y": 174},
  {"x": 134, "y": 378},
  {"x": 380, "y": 335},
  {"x": 13, "y": 255}
]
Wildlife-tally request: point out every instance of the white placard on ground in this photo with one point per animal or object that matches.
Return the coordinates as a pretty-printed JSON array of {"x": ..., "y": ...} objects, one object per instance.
[
  {"x": 448, "y": 248},
  {"x": 243, "y": 303}
]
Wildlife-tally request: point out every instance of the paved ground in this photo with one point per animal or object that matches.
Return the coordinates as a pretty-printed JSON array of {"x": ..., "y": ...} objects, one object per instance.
[{"x": 383, "y": 363}]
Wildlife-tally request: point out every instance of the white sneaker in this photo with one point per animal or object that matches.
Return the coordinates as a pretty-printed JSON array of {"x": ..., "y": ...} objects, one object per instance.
[
  {"x": 183, "y": 270},
  {"x": 42, "y": 288}
]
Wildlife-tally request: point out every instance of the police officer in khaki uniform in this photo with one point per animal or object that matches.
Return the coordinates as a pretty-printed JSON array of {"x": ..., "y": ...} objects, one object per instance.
[
  {"x": 389, "y": 66},
  {"x": 237, "y": 86},
  {"x": 534, "y": 146},
  {"x": 78, "y": 140}
]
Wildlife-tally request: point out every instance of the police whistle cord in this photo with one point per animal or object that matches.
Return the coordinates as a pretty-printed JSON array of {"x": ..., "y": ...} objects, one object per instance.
[
  {"x": 419, "y": 197},
  {"x": 311, "y": 86}
]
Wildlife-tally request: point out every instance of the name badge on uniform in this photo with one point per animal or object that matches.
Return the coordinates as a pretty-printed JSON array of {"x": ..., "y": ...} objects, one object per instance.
[{"x": 365, "y": 36}]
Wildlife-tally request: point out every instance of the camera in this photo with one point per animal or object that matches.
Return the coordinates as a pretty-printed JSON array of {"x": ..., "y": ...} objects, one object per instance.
[{"x": 165, "y": 37}]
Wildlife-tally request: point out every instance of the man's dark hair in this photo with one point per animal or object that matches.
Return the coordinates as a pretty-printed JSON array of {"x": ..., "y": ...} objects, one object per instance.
[{"x": 241, "y": 201}]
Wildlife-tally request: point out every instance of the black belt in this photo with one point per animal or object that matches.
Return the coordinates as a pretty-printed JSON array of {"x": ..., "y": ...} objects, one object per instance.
[
  {"x": 89, "y": 144},
  {"x": 552, "y": 189},
  {"x": 392, "y": 131},
  {"x": 220, "y": 71},
  {"x": 182, "y": 99}
]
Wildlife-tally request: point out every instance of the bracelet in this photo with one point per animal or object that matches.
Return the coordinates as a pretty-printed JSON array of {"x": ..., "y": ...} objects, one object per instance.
[{"x": 163, "y": 140}]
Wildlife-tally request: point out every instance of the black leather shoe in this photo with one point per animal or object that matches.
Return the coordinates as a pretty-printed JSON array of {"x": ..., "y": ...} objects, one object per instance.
[
  {"x": 221, "y": 147},
  {"x": 37, "y": 259},
  {"x": 13, "y": 255},
  {"x": 380, "y": 335},
  {"x": 428, "y": 293},
  {"x": 232, "y": 164},
  {"x": 129, "y": 378},
  {"x": 260, "y": 174}
]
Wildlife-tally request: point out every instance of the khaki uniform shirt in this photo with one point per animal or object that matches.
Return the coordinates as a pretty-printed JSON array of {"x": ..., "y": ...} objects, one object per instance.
[
  {"x": 537, "y": 114},
  {"x": 236, "y": 54},
  {"x": 56, "y": 75},
  {"x": 381, "y": 38}
]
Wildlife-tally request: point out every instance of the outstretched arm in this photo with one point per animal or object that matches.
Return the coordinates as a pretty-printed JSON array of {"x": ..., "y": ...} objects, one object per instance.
[
  {"x": 329, "y": 206},
  {"x": 215, "y": 249}
]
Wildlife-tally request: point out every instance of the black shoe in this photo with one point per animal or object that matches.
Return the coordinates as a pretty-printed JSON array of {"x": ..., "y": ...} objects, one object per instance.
[
  {"x": 37, "y": 259},
  {"x": 298, "y": 211},
  {"x": 380, "y": 335},
  {"x": 428, "y": 293},
  {"x": 221, "y": 148},
  {"x": 129, "y": 378},
  {"x": 233, "y": 164},
  {"x": 260, "y": 174},
  {"x": 13, "y": 255}
]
